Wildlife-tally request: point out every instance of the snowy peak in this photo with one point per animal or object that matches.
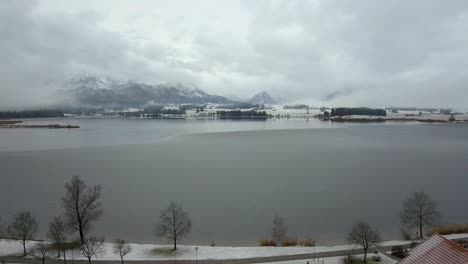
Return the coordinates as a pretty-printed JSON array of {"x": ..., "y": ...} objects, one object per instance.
[
  {"x": 262, "y": 98},
  {"x": 90, "y": 81}
]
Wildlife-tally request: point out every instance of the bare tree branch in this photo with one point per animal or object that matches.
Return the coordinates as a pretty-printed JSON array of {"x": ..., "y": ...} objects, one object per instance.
[
  {"x": 58, "y": 233},
  {"x": 82, "y": 206},
  {"x": 23, "y": 228},
  {"x": 364, "y": 236},
  {"x": 1, "y": 229},
  {"x": 40, "y": 250},
  {"x": 92, "y": 247},
  {"x": 122, "y": 248},
  {"x": 419, "y": 211},
  {"x": 278, "y": 230},
  {"x": 174, "y": 223}
]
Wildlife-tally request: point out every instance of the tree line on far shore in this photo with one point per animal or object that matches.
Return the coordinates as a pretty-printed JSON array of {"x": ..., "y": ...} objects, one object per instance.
[
  {"x": 82, "y": 209},
  {"x": 347, "y": 111},
  {"x": 238, "y": 114},
  {"x": 31, "y": 114},
  {"x": 73, "y": 229}
]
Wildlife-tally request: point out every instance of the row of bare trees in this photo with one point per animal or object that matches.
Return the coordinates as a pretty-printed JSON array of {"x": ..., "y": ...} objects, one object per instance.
[
  {"x": 82, "y": 208},
  {"x": 419, "y": 211}
]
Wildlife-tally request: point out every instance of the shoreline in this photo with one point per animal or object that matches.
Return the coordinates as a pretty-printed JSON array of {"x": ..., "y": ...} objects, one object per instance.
[
  {"x": 154, "y": 253},
  {"x": 381, "y": 119},
  {"x": 51, "y": 126},
  {"x": 354, "y": 118}
]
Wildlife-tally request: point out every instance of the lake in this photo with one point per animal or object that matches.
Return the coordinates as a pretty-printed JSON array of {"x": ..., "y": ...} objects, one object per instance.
[{"x": 233, "y": 176}]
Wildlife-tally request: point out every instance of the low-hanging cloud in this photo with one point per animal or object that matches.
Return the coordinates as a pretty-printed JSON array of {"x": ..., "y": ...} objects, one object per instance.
[{"x": 384, "y": 52}]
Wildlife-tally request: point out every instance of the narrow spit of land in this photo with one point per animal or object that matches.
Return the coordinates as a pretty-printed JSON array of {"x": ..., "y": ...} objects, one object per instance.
[{"x": 18, "y": 124}]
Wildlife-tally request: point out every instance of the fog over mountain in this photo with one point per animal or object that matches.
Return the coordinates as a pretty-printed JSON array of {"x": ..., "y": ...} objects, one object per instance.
[
  {"x": 410, "y": 53},
  {"x": 262, "y": 98}
]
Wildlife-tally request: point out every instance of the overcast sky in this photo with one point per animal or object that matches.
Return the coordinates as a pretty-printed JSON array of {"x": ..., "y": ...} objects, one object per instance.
[{"x": 395, "y": 52}]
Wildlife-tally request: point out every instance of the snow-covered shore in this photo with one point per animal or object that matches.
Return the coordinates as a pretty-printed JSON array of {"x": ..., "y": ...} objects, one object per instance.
[
  {"x": 334, "y": 260},
  {"x": 163, "y": 252}
]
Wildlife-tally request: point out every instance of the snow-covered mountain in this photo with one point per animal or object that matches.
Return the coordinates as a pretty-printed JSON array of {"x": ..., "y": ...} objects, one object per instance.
[
  {"x": 262, "y": 98},
  {"x": 89, "y": 90}
]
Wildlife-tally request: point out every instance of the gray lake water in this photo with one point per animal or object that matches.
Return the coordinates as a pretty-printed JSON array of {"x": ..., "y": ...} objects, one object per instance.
[{"x": 233, "y": 176}]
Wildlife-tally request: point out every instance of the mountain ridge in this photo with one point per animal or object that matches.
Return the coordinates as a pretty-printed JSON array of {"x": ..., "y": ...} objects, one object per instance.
[{"x": 94, "y": 91}]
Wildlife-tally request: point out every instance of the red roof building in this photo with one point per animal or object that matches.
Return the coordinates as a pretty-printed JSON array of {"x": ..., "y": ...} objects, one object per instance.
[{"x": 437, "y": 250}]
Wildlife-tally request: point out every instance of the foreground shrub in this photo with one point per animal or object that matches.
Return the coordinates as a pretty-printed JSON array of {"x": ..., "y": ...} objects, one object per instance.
[
  {"x": 307, "y": 243},
  {"x": 267, "y": 243},
  {"x": 349, "y": 260},
  {"x": 289, "y": 242},
  {"x": 398, "y": 252},
  {"x": 448, "y": 229},
  {"x": 462, "y": 243}
]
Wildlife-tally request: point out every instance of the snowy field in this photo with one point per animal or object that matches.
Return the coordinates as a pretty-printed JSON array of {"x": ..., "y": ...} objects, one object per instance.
[{"x": 158, "y": 252}]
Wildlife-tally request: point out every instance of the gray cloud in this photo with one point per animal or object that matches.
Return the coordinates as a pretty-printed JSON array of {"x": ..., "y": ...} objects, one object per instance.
[{"x": 386, "y": 52}]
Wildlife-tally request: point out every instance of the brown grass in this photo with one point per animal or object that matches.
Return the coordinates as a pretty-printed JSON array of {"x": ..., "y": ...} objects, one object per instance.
[
  {"x": 290, "y": 242},
  {"x": 267, "y": 243},
  {"x": 449, "y": 229},
  {"x": 168, "y": 251}
]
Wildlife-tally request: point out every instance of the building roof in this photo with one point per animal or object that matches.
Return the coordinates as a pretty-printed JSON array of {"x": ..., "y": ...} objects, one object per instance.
[{"x": 437, "y": 250}]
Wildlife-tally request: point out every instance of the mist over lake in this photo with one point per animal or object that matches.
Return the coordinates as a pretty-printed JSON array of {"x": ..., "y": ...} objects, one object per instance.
[{"x": 232, "y": 177}]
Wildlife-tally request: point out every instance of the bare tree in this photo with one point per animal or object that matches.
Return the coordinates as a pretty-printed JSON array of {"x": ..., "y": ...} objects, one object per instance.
[
  {"x": 174, "y": 223},
  {"x": 122, "y": 248},
  {"x": 92, "y": 247},
  {"x": 363, "y": 235},
  {"x": 1, "y": 229},
  {"x": 419, "y": 211},
  {"x": 40, "y": 251},
  {"x": 23, "y": 228},
  {"x": 82, "y": 205},
  {"x": 279, "y": 229},
  {"x": 58, "y": 233}
]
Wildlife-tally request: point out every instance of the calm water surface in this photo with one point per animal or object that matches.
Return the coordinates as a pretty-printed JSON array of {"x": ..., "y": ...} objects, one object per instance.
[{"x": 233, "y": 177}]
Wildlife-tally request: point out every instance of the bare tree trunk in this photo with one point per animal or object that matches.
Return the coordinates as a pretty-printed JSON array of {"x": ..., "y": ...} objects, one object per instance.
[
  {"x": 365, "y": 255},
  {"x": 89, "y": 260},
  {"x": 24, "y": 247},
  {"x": 64, "y": 257},
  {"x": 80, "y": 225},
  {"x": 420, "y": 230},
  {"x": 121, "y": 259},
  {"x": 175, "y": 232},
  {"x": 81, "y": 233}
]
